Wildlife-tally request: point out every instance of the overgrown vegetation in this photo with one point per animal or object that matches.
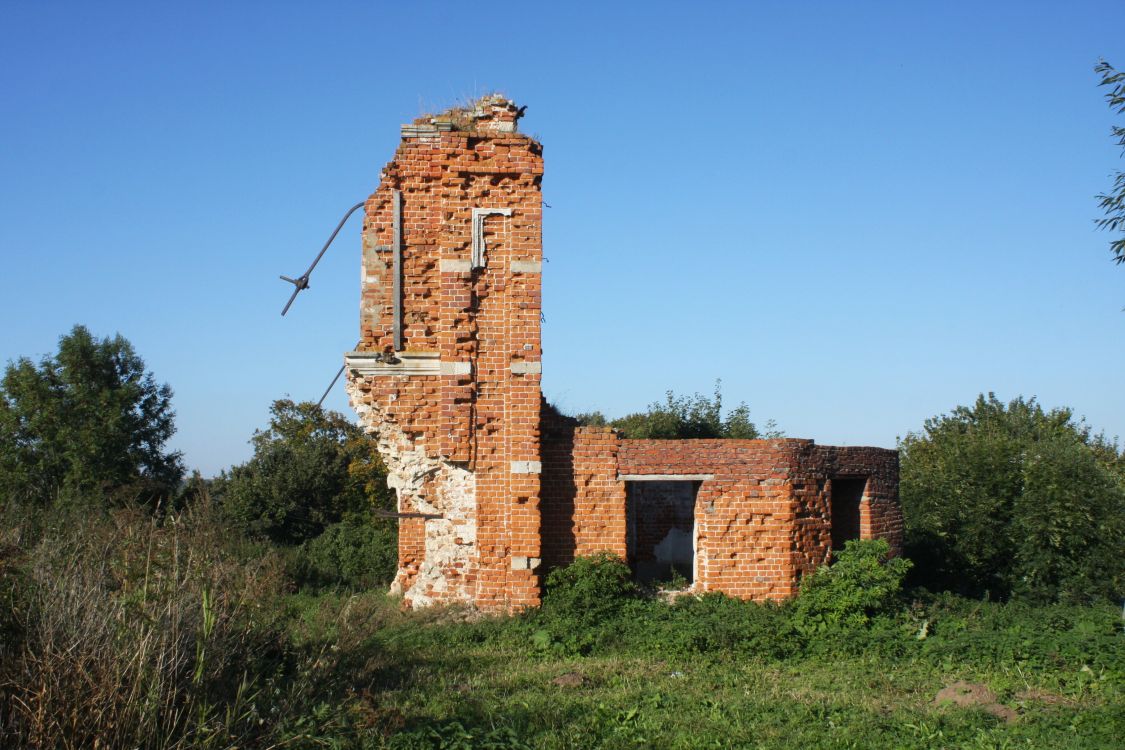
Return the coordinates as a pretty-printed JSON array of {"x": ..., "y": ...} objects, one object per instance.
[
  {"x": 862, "y": 584},
  {"x": 1009, "y": 499},
  {"x": 127, "y": 632},
  {"x": 235, "y": 614},
  {"x": 711, "y": 671},
  {"x": 686, "y": 417},
  {"x": 313, "y": 487}
]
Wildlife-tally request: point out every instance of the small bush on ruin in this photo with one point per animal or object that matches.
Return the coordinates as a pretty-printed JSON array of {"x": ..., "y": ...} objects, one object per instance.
[
  {"x": 686, "y": 417},
  {"x": 592, "y": 587}
]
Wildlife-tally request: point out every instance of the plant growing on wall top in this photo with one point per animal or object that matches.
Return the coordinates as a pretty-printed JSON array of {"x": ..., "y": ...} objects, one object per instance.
[{"x": 685, "y": 417}]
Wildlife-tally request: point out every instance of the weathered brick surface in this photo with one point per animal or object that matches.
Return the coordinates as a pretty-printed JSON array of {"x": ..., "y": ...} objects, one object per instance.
[
  {"x": 583, "y": 500},
  {"x": 764, "y": 518},
  {"x": 744, "y": 514},
  {"x": 476, "y": 414},
  {"x": 493, "y": 482}
]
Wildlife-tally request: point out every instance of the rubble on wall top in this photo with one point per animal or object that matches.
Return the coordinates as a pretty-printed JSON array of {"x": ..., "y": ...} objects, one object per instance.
[{"x": 492, "y": 113}]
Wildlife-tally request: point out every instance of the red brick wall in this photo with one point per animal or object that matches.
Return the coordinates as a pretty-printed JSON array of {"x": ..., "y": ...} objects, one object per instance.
[
  {"x": 744, "y": 514},
  {"x": 470, "y": 441},
  {"x": 583, "y": 501},
  {"x": 477, "y": 413},
  {"x": 764, "y": 517}
]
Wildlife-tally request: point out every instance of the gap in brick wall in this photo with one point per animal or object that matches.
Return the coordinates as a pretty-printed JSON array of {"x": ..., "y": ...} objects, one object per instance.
[{"x": 660, "y": 528}]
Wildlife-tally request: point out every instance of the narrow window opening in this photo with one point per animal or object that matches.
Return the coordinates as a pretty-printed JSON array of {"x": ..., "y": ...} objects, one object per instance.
[
  {"x": 847, "y": 494},
  {"x": 660, "y": 518}
]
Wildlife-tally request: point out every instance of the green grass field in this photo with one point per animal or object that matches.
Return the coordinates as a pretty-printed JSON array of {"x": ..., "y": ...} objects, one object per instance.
[
  {"x": 1038, "y": 678},
  {"x": 118, "y": 632}
]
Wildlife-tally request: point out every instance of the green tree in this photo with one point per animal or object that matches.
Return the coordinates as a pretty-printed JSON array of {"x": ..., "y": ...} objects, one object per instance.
[
  {"x": 683, "y": 417},
  {"x": 1014, "y": 500},
  {"x": 311, "y": 468},
  {"x": 86, "y": 423},
  {"x": 1113, "y": 202}
]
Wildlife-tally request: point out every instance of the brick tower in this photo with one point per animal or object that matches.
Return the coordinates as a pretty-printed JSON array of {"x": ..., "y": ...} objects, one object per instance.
[
  {"x": 491, "y": 480},
  {"x": 447, "y": 372}
]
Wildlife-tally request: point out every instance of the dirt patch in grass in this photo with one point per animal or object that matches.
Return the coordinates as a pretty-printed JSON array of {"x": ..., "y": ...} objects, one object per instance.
[
  {"x": 1036, "y": 695},
  {"x": 974, "y": 695},
  {"x": 569, "y": 680}
]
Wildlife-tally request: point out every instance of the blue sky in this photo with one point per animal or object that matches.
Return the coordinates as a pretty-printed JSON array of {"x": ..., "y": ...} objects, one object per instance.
[{"x": 858, "y": 215}]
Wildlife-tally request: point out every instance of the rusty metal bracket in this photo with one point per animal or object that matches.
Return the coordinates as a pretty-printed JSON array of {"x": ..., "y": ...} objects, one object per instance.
[{"x": 302, "y": 282}]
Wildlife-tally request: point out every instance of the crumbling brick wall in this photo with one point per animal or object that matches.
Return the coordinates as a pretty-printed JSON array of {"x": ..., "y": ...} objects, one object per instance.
[
  {"x": 455, "y": 403},
  {"x": 763, "y": 508},
  {"x": 744, "y": 508},
  {"x": 583, "y": 501},
  {"x": 491, "y": 481},
  {"x": 819, "y": 470}
]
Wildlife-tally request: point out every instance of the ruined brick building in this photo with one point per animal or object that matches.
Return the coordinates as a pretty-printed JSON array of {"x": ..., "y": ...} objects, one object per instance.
[{"x": 495, "y": 487}]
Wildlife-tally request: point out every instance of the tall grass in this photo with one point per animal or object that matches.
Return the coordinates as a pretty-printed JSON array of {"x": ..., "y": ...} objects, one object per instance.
[{"x": 127, "y": 631}]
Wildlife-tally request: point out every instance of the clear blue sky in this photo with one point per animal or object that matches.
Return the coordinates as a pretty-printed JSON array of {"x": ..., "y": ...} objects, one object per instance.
[{"x": 858, "y": 215}]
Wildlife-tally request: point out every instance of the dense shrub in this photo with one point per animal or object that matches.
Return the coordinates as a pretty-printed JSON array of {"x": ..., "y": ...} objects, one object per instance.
[
  {"x": 581, "y": 599},
  {"x": 1010, "y": 499},
  {"x": 357, "y": 553},
  {"x": 860, "y": 584},
  {"x": 591, "y": 587},
  {"x": 310, "y": 468}
]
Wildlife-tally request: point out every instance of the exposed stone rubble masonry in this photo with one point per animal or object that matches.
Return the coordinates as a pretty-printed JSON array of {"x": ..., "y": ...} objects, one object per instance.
[
  {"x": 429, "y": 486},
  {"x": 493, "y": 485}
]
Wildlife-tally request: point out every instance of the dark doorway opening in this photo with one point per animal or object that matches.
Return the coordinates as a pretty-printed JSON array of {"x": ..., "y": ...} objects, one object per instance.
[
  {"x": 847, "y": 493},
  {"x": 660, "y": 530}
]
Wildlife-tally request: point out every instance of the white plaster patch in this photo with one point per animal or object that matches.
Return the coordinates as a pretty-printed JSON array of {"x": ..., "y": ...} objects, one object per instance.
[
  {"x": 454, "y": 265},
  {"x": 456, "y": 368}
]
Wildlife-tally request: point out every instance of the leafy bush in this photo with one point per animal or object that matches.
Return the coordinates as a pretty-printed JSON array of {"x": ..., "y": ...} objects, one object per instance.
[
  {"x": 310, "y": 468},
  {"x": 358, "y": 553},
  {"x": 861, "y": 584},
  {"x": 87, "y": 423},
  {"x": 590, "y": 587},
  {"x": 685, "y": 417},
  {"x": 1010, "y": 499},
  {"x": 716, "y": 623},
  {"x": 581, "y": 599}
]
